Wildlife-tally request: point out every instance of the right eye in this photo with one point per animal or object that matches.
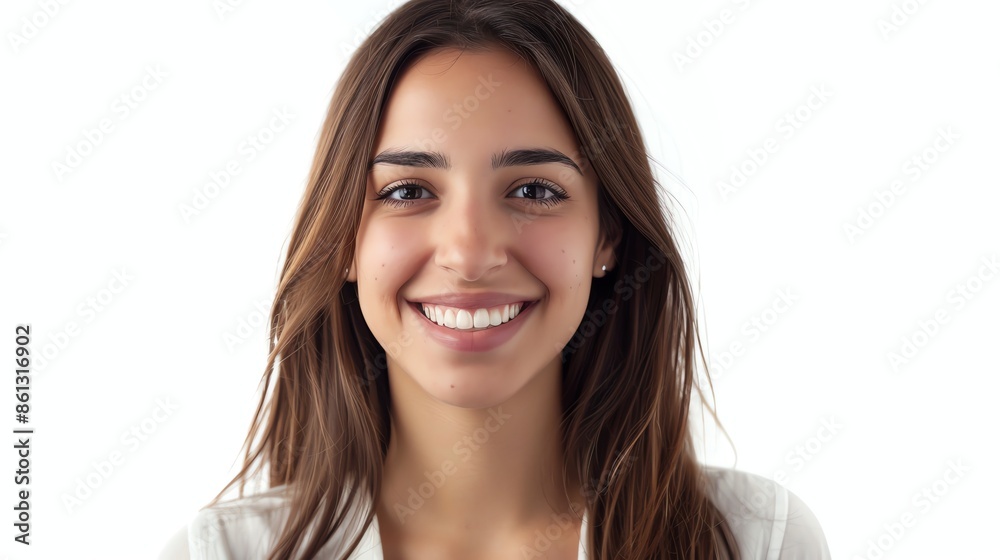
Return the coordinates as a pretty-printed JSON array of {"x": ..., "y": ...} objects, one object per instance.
[{"x": 405, "y": 188}]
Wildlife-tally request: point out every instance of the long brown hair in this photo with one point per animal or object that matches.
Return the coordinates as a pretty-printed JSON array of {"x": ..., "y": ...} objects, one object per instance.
[{"x": 322, "y": 423}]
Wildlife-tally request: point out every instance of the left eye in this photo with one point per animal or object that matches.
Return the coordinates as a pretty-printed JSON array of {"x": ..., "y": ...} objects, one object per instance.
[{"x": 534, "y": 188}]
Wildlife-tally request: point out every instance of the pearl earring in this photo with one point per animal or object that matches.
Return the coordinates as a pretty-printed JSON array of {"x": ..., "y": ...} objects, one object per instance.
[{"x": 604, "y": 268}]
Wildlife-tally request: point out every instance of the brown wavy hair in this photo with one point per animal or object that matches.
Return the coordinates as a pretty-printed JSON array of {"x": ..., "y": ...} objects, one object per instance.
[{"x": 322, "y": 422}]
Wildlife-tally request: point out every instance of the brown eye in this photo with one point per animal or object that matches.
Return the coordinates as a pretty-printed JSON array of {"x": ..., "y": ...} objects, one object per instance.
[
  {"x": 410, "y": 192},
  {"x": 535, "y": 190}
]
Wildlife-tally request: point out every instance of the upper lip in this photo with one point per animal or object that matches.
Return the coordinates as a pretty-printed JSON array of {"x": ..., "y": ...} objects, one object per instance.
[{"x": 473, "y": 301}]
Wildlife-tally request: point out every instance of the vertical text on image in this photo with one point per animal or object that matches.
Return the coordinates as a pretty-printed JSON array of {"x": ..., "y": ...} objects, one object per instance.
[{"x": 22, "y": 437}]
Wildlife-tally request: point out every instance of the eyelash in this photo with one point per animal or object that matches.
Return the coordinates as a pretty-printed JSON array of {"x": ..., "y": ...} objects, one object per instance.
[{"x": 558, "y": 197}]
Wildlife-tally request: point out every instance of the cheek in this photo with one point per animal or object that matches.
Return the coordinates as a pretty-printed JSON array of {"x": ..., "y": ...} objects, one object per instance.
[
  {"x": 387, "y": 253},
  {"x": 558, "y": 253}
]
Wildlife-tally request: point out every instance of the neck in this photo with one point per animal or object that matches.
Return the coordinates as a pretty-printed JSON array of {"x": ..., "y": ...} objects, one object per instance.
[{"x": 476, "y": 470}]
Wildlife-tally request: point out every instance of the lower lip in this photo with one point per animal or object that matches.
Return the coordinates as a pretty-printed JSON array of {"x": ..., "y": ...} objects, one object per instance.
[{"x": 474, "y": 341}]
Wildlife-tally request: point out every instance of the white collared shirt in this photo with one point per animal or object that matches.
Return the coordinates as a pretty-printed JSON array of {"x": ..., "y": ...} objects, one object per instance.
[{"x": 768, "y": 521}]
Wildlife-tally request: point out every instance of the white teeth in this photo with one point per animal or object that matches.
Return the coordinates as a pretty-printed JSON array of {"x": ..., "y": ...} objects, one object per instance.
[
  {"x": 481, "y": 319},
  {"x": 464, "y": 319}
]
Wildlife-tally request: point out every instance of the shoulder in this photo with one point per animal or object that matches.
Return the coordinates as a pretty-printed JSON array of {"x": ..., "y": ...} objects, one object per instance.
[
  {"x": 238, "y": 528},
  {"x": 768, "y": 520},
  {"x": 245, "y": 528}
]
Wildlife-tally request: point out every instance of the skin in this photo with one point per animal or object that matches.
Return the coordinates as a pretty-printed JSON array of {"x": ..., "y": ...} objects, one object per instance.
[{"x": 474, "y": 229}]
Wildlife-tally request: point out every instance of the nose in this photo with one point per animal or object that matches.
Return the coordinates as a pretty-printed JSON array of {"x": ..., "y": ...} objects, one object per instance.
[{"x": 472, "y": 238}]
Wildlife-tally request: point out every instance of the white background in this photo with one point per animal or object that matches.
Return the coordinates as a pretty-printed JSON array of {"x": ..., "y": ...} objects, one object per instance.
[{"x": 155, "y": 357}]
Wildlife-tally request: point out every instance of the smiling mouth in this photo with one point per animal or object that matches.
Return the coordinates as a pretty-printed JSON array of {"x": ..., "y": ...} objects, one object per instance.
[{"x": 448, "y": 319}]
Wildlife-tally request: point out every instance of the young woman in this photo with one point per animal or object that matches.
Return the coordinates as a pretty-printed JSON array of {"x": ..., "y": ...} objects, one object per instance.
[{"x": 484, "y": 339}]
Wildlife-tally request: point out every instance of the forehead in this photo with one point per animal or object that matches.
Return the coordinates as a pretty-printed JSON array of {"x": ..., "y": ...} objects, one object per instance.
[{"x": 469, "y": 104}]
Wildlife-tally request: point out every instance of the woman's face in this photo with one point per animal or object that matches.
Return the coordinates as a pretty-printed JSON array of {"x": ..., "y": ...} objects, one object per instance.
[{"x": 473, "y": 222}]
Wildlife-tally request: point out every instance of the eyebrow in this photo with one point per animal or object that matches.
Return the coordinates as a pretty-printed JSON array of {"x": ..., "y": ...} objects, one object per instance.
[{"x": 437, "y": 160}]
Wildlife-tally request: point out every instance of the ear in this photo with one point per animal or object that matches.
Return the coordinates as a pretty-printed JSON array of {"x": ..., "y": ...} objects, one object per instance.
[{"x": 605, "y": 254}]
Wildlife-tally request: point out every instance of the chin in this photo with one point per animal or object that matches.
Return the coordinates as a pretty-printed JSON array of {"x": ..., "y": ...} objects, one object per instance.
[{"x": 477, "y": 388}]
